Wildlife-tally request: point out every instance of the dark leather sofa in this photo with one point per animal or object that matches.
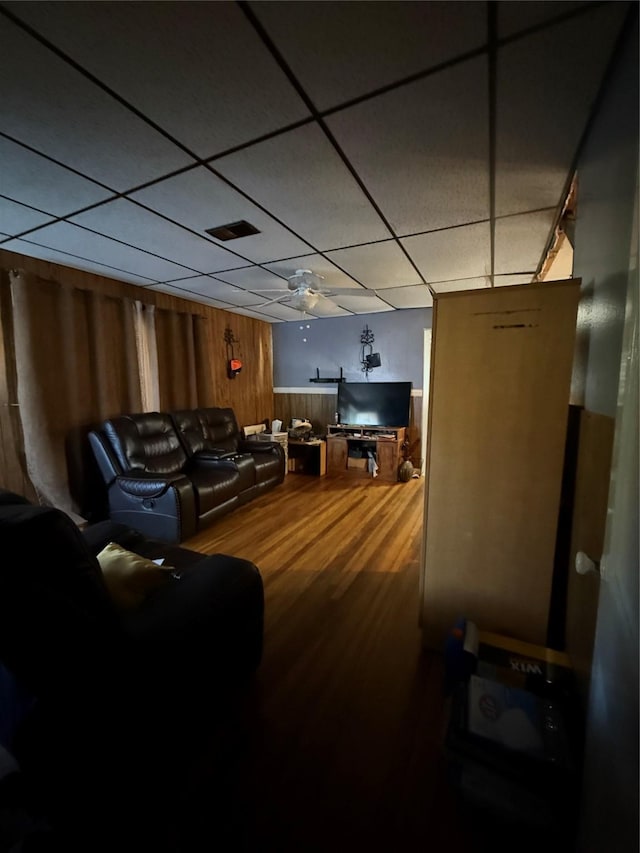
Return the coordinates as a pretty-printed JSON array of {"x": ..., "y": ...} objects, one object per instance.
[
  {"x": 171, "y": 474},
  {"x": 114, "y": 704}
]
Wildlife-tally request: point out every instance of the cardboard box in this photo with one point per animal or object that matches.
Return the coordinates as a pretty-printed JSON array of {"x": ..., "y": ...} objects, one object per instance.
[
  {"x": 357, "y": 462},
  {"x": 521, "y": 664}
]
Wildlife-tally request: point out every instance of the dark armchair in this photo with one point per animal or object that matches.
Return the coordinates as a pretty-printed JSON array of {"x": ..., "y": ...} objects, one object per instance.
[{"x": 115, "y": 700}]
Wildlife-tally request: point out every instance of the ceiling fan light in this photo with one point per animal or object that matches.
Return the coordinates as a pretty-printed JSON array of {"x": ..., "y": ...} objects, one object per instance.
[{"x": 305, "y": 301}]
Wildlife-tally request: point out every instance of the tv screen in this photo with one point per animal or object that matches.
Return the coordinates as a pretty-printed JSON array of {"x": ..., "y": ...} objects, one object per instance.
[{"x": 379, "y": 404}]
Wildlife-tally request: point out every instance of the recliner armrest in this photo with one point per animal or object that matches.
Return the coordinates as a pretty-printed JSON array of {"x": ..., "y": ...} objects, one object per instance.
[
  {"x": 249, "y": 446},
  {"x": 149, "y": 485},
  {"x": 214, "y": 454}
]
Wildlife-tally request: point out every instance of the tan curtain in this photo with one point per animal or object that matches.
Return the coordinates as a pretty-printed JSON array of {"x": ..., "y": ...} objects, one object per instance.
[
  {"x": 76, "y": 364},
  {"x": 184, "y": 372},
  {"x": 145, "y": 326}
]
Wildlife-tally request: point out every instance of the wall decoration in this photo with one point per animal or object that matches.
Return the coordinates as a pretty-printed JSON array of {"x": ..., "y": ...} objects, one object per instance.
[
  {"x": 234, "y": 365},
  {"x": 368, "y": 358}
]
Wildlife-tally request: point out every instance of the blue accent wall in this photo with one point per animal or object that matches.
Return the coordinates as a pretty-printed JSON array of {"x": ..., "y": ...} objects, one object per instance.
[{"x": 327, "y": 344}]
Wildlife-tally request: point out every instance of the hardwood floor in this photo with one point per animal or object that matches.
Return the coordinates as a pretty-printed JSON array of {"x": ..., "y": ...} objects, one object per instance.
[{"x": 338, "y": 744}]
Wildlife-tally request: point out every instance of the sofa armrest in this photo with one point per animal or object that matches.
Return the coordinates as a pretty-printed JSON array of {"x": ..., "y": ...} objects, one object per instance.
[
  {"x": 254, "y": 447},
  {"x": 207, "y": 624},
  {"x": 149, "y": 485},
  {"x": 214, "y": 454}
]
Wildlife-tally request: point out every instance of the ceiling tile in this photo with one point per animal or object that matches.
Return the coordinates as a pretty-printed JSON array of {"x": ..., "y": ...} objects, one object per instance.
[
  {"x": 377, "y": 264},
  {"x": 514, "y": 16},
  {"x": 417, "y": 296},
  {"x": 45, "y": 253},
  {"x": 332, "y": 275},
  {"x": 521, "y": 241},
  {"x": 16, "y": 218},
  {"x": 508, "y": 280},
  {"x": 430, "y": 171},
  {"x": 357, "y": 305},
  {"x": 201, "y": 298},
  {"x": 301, "y": 179},
  {"x": 211, "y": 288},
  {"x": 278, "y": 311},
  {"x": 453, "y": 253},
  {"x": 257, "y": 315},
  {"x": 72, "y": 120},
  {"x": 200, "y": 200},
  {"x": 477, "y": 283},
  {"x": 254, "y": 278},
  {"x": 91, "y": 247},
  {"x": 126, "y": 221},
  {"x": 372, "y": 44},
  {"x": 182, "y": 64},
  {"x": 31, "y": 179},
  {"x": 543, "y": 106}
]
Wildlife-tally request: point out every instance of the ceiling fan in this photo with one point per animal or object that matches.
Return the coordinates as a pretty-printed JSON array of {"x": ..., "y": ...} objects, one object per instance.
[{"x": 305, "y": 291}]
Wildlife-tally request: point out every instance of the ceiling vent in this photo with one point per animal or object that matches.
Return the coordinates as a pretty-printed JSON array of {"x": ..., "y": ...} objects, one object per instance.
[{"x": 233, "y": 230}]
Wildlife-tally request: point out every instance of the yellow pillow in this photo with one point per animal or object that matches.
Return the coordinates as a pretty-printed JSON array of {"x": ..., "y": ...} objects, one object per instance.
[{"x": 129, "y": 577}]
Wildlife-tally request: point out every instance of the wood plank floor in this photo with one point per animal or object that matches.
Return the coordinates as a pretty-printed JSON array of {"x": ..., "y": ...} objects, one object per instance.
[{"x": 339, "y": 741}]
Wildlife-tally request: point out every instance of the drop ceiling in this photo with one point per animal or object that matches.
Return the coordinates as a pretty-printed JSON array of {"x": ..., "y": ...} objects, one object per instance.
[{"x": 398, "y": 148}]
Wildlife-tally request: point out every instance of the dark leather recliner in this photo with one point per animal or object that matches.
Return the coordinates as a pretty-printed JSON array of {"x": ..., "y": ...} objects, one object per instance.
[
  {"x": 213, "y": 434},
  {"x": 169, "y": 475},
  {"x": 117, "y": 700}
]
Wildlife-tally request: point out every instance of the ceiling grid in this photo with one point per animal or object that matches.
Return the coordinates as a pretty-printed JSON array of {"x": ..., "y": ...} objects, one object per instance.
[{"x": 408, "y": 148}]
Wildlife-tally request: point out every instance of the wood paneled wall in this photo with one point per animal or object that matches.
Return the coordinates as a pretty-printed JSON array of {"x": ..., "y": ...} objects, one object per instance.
[{"x": 250, "y": 393}]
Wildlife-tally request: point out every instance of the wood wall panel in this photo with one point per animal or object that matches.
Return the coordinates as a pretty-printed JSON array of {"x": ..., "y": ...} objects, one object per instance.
[
  {"x": 318, "y": 408},
  {"x": 250, "y": 393}
]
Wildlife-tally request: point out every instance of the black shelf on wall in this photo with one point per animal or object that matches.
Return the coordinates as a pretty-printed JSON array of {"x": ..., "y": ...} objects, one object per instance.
[{"x": 319, "y": 378}]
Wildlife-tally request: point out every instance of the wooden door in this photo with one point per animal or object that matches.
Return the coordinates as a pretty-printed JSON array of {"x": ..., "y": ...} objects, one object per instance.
[
  {"x": 499, "y": 394},
  {"x": 336, "y": 454},
  {"x": 387, "y": 459}
]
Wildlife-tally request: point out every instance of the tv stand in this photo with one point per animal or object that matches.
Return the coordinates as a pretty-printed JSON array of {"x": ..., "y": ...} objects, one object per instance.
[{"x": 385, "y": 442}]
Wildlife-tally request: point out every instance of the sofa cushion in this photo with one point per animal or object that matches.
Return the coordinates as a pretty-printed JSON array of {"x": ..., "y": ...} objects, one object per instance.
[
  {"x": 146, "y": 442},
  {"x": 219, "y": 428},
  {"x": 129, "y": 577},
  {"x": 214, "y": 485}
]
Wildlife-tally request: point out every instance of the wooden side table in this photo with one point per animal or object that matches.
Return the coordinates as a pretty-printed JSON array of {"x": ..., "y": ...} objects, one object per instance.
[{"x": 308, "y": 457}]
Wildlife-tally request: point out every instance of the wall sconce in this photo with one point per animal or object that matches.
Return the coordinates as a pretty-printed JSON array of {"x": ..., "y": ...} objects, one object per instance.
[
  {"x": 368, "y": 358},
  {"x": 234, "y": 365}
]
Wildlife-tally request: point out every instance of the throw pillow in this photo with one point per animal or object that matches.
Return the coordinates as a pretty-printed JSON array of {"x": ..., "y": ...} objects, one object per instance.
[{"x": 129, "y": 577}]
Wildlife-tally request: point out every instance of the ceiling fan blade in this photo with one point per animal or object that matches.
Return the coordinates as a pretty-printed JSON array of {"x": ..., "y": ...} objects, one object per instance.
[
  {"x": 284, "y": 298},
  {"x": 349, "y": 291}
]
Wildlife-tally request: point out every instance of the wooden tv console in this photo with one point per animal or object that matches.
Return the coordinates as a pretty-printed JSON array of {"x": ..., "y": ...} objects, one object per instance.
[{"x": 385, "y": 441}]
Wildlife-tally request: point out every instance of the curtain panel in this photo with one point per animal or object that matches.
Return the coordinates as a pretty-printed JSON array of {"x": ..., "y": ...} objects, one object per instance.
[
  {"x": 76, "y": 364},
  {"x": 184, "y": 372}
]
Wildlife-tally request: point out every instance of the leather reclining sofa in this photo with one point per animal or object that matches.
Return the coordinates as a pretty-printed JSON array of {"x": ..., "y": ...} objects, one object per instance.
[
  {"x": 171, "y": 474},
  {"x": 106, "y": 708}
]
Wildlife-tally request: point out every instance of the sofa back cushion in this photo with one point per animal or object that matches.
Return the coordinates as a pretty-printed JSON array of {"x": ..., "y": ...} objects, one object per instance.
[
  {"x": 207, "y": 429},
  {"x": 189, "y": 428},
  {"x": 57, "y": 621},
  {"x": 146, "y": 442},
  {"x": 219, "y": 428}
]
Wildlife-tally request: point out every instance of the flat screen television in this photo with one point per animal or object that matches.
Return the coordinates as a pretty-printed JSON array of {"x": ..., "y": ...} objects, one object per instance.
[{"x": 374, "y": 404}]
